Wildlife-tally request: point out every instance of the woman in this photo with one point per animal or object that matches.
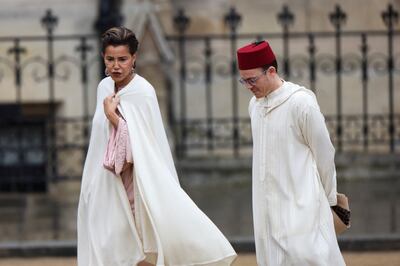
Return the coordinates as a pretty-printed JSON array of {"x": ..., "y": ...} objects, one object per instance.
[{"x": 132, "y": 209}]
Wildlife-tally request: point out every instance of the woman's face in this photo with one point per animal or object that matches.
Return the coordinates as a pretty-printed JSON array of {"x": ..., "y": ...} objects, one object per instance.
[{"x": 119, "y": 62}]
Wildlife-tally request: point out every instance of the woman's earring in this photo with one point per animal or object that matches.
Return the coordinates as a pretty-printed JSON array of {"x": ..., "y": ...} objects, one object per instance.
[{"x": 106, "y": 72}]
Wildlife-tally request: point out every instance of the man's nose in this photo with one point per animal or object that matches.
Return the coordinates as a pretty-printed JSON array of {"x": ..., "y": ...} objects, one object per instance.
[{"x": 248, "y": 85}]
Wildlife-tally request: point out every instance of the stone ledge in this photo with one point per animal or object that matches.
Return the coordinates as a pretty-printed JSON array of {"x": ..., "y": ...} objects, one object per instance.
[
  {"x": 214, "y": 164},
  {"x": 38, "y": 249},
  {"x": 341, "y": 159},
  {"x": 350, "y": 166},
  {"x": 346, "y": 243},
  {"x": 241, "y": 245}
]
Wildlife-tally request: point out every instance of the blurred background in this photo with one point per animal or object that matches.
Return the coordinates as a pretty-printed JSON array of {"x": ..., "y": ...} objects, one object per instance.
[{"x": 347, "y": 52}]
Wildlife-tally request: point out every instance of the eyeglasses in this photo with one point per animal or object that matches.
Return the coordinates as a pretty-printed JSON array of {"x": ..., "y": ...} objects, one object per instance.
[{"x": 251, "y": 81}]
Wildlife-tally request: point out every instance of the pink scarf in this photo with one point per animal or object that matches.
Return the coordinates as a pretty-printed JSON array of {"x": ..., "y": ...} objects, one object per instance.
[{"x": 118, "y": 154}]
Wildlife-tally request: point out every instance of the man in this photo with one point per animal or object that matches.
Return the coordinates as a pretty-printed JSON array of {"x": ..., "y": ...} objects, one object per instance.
[{"x": 294, "y": 176}]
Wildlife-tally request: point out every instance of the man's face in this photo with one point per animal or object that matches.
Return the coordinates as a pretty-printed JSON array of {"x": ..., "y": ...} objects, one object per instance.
[{"x": 256, "y": 80}]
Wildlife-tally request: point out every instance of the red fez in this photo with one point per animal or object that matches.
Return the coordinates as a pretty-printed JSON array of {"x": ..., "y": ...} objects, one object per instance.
[{"x": 254, "y": 55}]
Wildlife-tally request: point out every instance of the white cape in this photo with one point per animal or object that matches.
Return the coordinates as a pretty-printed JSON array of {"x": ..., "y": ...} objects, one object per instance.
[{"x": 167, "y": 222}]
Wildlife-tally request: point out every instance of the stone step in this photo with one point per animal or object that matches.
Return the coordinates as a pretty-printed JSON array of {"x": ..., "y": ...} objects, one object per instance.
[
  {"x": 10, "y": 215},
  {"x": 377, "y": 161},
  {"x": 349, "y": 166},
  {"x": 26, "y": 207},
  {"x": 34, "y": 216},
  {"x": 12, "y": 200}
]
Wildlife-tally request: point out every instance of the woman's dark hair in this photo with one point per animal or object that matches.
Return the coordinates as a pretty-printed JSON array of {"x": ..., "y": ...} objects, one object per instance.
[
  {"x": 119, "y": 36},
  {"x": 274, "y": 64}
]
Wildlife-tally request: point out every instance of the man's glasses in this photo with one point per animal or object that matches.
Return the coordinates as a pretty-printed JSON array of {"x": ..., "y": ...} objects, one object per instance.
[{"x": 251, "y": 81}]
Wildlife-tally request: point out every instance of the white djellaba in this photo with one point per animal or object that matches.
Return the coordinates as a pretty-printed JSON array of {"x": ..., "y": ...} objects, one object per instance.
[{"x": 294, "y": 180}]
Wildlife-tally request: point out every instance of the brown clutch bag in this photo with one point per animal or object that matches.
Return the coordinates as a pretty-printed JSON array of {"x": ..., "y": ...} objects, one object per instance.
[{"x": 341, "y": 214}]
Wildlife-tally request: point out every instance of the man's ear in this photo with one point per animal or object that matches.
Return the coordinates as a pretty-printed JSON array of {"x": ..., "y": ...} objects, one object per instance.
[{"x": 271, "y": 70}]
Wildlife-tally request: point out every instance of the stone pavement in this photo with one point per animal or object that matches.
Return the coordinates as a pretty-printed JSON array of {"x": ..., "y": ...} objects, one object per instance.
[{"x": 386, "y": 258}]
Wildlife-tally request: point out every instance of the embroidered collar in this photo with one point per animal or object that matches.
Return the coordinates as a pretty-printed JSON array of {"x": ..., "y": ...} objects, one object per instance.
[{"x": 278, "y": 96}]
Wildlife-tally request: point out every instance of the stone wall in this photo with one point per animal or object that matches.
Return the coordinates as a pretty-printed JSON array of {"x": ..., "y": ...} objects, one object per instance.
[{"x": 222, "y": 189}]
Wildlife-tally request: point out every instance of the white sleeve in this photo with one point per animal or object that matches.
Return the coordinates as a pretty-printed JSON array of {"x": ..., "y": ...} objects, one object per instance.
[
  {"x": 316, "y": 136},
  {"x": 102, "y": 92},
  {"x": 251, "y": 104}
]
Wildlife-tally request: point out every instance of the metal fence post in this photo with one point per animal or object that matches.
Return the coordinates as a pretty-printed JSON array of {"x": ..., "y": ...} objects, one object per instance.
[
  {"x": 312, "y": 65},
  {"x": 84, "y": 48},
  {"x": 208, "y": 81},
  {"x": 232, "y": 19},
  {"x": 364, "y": 77},
  {"x": 49, "y": 22},
  {"x": 181, "y": 22},
  {"x": 17, "y": 50},
  {"x": 390, "y": 17},
  {"x": 338, "y": 18},
  {"x": 286, "y": 18}
]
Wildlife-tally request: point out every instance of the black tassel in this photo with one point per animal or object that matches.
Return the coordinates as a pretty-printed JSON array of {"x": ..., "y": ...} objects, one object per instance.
[
  {"x": 257, "y": 43},
  {"x": 342, "y": 213}
]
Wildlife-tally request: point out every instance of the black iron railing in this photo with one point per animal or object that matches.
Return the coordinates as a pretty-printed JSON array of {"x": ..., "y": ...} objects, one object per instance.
[
  {"x": 59, "y": 138},
  {"x": 364, "y": 131},
  {"x": 63, "y": 140}
]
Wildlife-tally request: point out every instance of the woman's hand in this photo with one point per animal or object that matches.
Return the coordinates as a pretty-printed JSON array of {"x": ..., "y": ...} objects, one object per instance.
[{"x": 110, "y": 109}]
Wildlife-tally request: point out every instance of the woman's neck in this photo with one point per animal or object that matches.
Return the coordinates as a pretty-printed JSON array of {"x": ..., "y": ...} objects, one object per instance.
[{"x": 123, "y": 83}]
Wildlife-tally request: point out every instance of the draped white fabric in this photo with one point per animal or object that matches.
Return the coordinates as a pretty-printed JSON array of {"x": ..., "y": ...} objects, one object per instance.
[
  {"x": 167, "y": 222},
  {"x": 294, "y": 180}
]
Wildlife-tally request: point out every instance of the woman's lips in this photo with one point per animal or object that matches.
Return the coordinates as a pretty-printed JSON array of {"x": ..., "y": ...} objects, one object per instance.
[{"x": 116, "y": 74}]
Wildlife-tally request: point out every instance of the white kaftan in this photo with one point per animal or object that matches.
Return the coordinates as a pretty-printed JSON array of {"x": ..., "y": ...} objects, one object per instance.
[
  {"x": 294, "y": 180},
  {"x": 167, "y": 222}
]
